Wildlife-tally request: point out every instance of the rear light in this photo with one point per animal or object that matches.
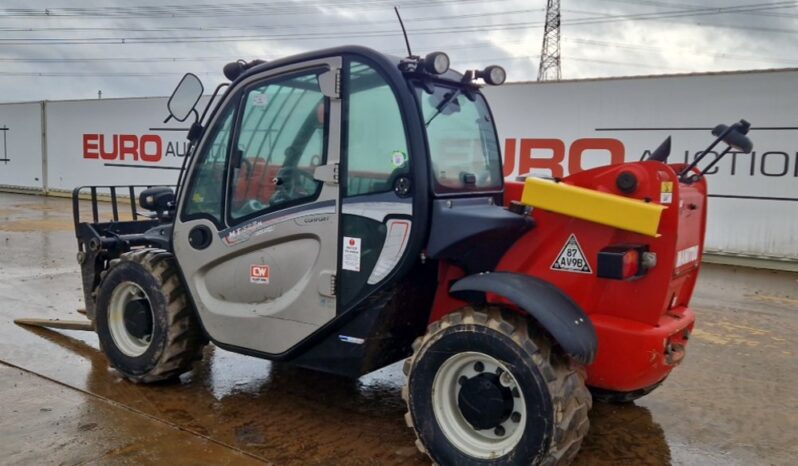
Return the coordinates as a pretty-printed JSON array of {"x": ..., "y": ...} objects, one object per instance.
[
  {"x": 631, "y": 263},
  {"x": 623, "y": 262}
]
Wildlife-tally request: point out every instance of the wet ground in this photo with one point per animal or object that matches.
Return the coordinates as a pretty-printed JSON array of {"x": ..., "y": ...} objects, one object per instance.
[{"x": 733, "y": 402}]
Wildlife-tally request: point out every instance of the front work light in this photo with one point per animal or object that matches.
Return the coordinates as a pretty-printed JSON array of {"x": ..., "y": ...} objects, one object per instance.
[
  {"x": 436, "y": 63},
  {"x": 493, "y": 75}
]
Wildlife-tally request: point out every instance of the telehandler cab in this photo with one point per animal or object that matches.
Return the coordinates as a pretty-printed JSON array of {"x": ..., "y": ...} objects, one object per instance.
[{"x": 344, "y": 209}]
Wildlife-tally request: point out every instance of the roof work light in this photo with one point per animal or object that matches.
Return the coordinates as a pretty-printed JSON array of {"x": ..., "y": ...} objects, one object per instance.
[
  {"x": 493, "y": 75},
  {"x": 436, "y": 63}
]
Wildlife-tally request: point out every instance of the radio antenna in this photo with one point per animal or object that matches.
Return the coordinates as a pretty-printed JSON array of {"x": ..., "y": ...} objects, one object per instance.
[{"x": 404, "y": 32}]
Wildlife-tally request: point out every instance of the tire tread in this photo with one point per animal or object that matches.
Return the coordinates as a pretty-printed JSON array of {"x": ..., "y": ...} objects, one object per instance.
[
  {"x": 184, "y": 339},
  {"x": 565, "y": 379}
]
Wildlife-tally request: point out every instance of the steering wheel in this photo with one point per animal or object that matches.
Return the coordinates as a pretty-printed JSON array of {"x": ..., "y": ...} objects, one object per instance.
[{"x": 293, "y": 183}]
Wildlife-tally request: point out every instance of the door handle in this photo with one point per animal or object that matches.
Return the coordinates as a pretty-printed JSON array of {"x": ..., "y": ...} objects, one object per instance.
[{"x": 326, "y": 173}]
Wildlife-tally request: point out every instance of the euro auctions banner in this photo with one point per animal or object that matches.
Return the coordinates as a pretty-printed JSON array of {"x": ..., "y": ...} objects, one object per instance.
[
  {"x": 112, "y": 141},
  {"x": 554, "y": 129},
  {"x": 548, "y": 129}
]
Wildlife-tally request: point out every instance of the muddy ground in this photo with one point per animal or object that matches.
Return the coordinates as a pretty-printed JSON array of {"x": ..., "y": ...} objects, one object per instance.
[{"x": 733, "y": 402}]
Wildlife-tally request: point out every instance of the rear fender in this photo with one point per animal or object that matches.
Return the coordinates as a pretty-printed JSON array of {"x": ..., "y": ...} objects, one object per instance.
[{"x": 547, "y": 304}]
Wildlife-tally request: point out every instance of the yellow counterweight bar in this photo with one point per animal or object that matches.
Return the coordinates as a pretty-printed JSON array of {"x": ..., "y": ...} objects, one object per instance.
[{"x": 594, "y": 206}]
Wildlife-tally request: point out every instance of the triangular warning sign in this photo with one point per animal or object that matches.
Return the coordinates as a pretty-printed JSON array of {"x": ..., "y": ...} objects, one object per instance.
[{"x": 571, "y": 258}]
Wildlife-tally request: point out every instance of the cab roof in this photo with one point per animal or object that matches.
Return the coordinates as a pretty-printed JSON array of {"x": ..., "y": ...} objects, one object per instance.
[{"x": 390, "y": 63}]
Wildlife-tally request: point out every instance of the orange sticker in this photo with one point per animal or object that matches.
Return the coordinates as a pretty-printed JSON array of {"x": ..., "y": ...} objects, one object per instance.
[{"x": 259, "y": 274}]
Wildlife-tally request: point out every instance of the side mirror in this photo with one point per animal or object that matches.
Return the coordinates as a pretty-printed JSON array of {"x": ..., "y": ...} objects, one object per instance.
[{"x": 185, "y": 97}]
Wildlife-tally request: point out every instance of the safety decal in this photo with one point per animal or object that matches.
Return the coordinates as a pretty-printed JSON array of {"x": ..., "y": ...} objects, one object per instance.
[
  {"x": 398, "y": 159},
  {"x": 686, "y": 256},
  {"x": 259, "y": 274},
  {"x": 571, "y": 258},
  {"x": 259, "y": 100},
  {"x": 351, "y": 256},
  {"x": 666, "y": 192}
]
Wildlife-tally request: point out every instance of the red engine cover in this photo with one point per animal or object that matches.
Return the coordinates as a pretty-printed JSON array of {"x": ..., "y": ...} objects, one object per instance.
[{"x": 642, "y": 323}]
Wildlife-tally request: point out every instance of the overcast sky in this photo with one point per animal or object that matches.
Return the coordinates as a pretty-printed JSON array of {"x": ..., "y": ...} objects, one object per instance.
[{"x": 67, "y": 50}]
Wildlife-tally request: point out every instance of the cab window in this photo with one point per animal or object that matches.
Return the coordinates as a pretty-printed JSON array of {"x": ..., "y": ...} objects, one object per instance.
[
  {"x": 280, "y": 142},
  {"x": 376, "y": 147},
  {"x": 463, "y": 147},
  {"x": 204, "y": 198}
]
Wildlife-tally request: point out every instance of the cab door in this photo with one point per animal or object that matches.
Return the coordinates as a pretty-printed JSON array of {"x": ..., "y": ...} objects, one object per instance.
[
  {"x": 378, "y": 184},
  {"x": 256, "y": 234}
]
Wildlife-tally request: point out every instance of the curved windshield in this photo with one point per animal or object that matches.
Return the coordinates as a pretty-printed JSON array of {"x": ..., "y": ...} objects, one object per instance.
[{"x": 463, "y": 146}]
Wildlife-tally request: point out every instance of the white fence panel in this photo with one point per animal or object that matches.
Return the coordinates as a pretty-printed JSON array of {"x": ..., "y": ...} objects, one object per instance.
[
  {"x": 546, "y": 128},
  {"x": 112, "y": 141},
  {"x": 21, "y": 145},
  {"x": 554, "y": 128}
]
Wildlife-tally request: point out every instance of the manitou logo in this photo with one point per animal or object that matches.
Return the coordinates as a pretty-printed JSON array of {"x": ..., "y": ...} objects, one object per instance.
[{"x": 549, "y": 154}]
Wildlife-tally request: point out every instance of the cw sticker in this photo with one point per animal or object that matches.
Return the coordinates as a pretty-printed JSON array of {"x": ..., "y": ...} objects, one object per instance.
[
  {"x": 259, "y": 274},
  {"x": 666, "y": 192}
]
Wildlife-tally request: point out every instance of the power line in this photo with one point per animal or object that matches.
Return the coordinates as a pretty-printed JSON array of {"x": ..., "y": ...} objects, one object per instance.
[
  {"x": 113, "y": 59},
  {"x": 337, "y": 24},
  {"x": 236, "y": 38},
  {"x": 655, "y": 3},
  {"x": 164, "y": 74},
  {"x": 383, "y": 33},
  {"x": 746, "y": 27},
  {"x": 694, "y": 11},
  {"x": 214, "y": 10},
  {"x": 627, "y": 46},
  {"x": 97, "y": 74},
  {"x": 445, "y": 47},
  {"x": 118, "y": 60}
]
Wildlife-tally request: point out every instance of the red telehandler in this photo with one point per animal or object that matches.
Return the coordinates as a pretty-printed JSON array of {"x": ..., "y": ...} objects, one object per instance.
[{"x": 344, "y": 209}]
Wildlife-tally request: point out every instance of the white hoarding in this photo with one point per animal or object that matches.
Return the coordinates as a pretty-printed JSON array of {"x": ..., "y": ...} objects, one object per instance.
[
  {"x": 546, "y": 129},
  {"x": 112, "y": 142},
  {"x": 558, "y": 128},
  {"x": 21, "y": 145}
]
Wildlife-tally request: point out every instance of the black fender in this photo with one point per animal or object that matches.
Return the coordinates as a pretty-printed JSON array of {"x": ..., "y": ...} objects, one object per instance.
[{"x": 546, "y": 303}]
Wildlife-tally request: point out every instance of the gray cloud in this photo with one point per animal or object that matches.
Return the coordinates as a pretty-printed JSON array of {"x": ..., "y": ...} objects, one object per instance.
[{"x": 162, "y": 41}]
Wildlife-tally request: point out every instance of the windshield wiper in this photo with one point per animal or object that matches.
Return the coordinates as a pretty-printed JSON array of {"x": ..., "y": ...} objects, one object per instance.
[{"x": 443, "y": 105}]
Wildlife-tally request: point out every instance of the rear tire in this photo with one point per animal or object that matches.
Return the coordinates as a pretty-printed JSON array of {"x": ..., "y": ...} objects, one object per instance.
[
  {"x": 146, "y": 326},
  {"x": 535, "y": 414}
]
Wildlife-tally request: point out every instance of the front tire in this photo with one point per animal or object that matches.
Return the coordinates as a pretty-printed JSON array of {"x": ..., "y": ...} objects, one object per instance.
[
  {"x": 145, "y": 324},
  {"x": 486, "y": 388}
]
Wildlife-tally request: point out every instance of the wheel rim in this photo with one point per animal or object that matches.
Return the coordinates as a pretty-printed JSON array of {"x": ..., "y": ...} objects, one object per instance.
[
  {"x": 130, "y": 319},
  {"x": 490, "y": 435}
]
